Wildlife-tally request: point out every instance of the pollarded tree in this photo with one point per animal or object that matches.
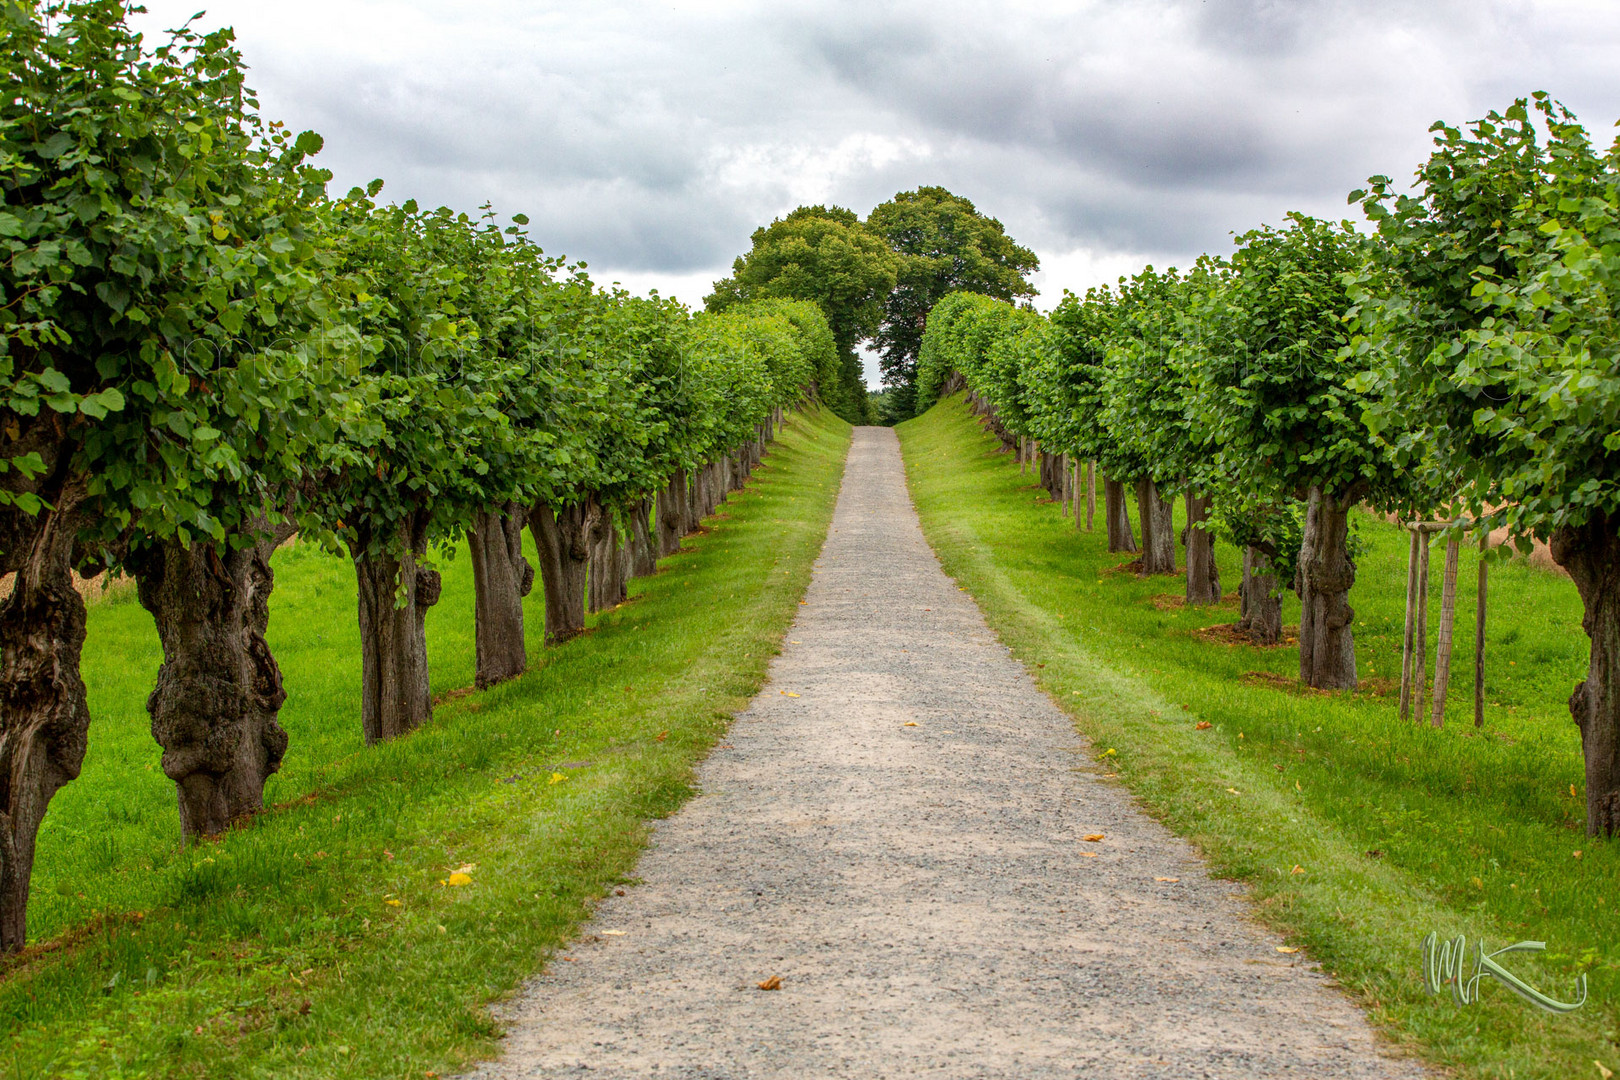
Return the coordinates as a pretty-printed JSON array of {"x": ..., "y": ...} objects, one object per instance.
[
  {"x": 824, "y": 255},
  {"x": 130, "y": 227},
  {"x": 984, "y": 341},
  {"x": 945, "y": 245},
  {"x": 1279, "y": 393},
  {"x": 1493, "y": 352}
]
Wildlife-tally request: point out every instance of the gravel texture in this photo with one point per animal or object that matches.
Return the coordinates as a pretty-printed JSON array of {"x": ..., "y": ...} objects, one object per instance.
[{"x": 924, "y": 893}]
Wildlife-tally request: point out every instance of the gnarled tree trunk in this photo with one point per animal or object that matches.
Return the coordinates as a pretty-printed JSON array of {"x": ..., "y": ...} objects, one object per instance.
[
  {"x": 1591, "y": 554},
  {"x": 609, "y": 563},
  {"x": 395, "y": 594},
  {"x": 1158, "y": 529},
  {"x": 562, "y": 539},
  {"x": 643, "y": 554},
  {"x": 502, "y": 577},
  {"x": 1203, "y": 576},
  {"x": 1327, "y": 645},
  {"x": 1261, "y": 617},
  {"x": 44, "y": 720},
  {"x": 219, "y": 689},
  {"x": 1117, "y": 510},
  {"x": 673, "y": 506}
]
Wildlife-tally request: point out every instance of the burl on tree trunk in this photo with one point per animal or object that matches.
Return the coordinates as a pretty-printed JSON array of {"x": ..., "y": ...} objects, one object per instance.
[
  {"x": 1261, "y": 613},
  {"x": 43, "y": 716},
  {"x": 562, "y": 539},
  {"x": 1591, "y": 554},
  {"x": 1158, "y": 529},
  {"x": 1117, "y": 510},
  {"x": 502, "y": 577},
  {"x": 395, "y": 594},
  {"x": 1203, "y": 576},
  {"x": 1327, "y": 645},
  {"x": 219, "y": 689}
]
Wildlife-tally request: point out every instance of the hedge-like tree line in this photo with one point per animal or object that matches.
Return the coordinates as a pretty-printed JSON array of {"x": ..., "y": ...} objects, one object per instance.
[
  {"x": 201, "y": 353},
  {"x": 1459, "y": 362}
]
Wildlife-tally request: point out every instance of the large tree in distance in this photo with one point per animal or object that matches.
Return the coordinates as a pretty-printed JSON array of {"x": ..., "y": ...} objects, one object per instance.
[
  {"x": 825, "y": 255},
  {"x": 945, "y": 245}
]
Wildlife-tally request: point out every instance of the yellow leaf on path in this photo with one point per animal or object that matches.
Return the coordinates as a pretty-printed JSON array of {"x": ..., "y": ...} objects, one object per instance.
[
  {"x": 1093, "y": 837},
  {"x": 1088, "y": 854},
  {"x": 393, "y": 903},
  {"x": 1286, "y": 949},
  {"x": 772, "y": 983},
  {"x": 458, "y": 879},
  {"x": 557, "y": 778},
  {"x": 911, "y": 723},
  {"x": 613, "y": 933},
  {"x": 1166, "y": 879},
  {"x": 788, "y": 693},
  {"x": 795, "y": 643}
]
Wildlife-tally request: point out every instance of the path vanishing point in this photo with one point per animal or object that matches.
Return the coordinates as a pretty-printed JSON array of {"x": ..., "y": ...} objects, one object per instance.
[{"x": 894, "y": 829}]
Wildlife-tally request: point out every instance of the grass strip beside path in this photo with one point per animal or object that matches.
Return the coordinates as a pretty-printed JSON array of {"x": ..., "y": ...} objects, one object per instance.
[
  {"x": 329, "y": 937},
  {"x": 1357, "y": 834}
]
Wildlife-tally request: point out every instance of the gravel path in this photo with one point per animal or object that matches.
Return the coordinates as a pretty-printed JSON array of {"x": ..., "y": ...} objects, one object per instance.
[{"x": 895, "y": 830}]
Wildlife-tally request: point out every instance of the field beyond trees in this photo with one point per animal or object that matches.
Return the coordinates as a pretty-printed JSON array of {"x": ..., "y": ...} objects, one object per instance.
[
  {"x": 329, "y": 936},
  {"x": 1357, "y": 833}
]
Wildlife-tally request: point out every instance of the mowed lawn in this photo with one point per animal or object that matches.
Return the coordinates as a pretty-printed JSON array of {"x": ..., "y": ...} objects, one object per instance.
[
  {"x": 322, "y": 940},
  {"x": 1357, "y": 833}
]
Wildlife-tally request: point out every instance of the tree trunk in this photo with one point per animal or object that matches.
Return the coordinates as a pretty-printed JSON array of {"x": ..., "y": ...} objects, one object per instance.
[
  {"x": 395, "y": 594},
  {"x": 1261, "y": 602},
  {"x": 502, "y": 577},
  {"x": 1591, "y": 554},
  {"x": 562, "y": 540},
  {"x": 642, "y": 554},
  {"x": 1409, "y": 628},
  {"x": 1327, "y": 647},
  {"x": 1479, "y": 635},
  {"x": 1091, "y": 493},
  {"x": 608, "y": 565},
  {"x": 44, "y": 719},
  {"x": 1442, "y": 648},
  {"x": 672, "y": 511},
  {"x": 1158, "y": 530},
  {"x": 219, "y": 689},
  {"x": 1203, "y": 576},
  {"x": 1120, "y": 536}
]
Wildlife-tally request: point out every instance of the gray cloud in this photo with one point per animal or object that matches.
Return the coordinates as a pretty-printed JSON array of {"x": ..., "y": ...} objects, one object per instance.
[{"x": 651, "y": 141}]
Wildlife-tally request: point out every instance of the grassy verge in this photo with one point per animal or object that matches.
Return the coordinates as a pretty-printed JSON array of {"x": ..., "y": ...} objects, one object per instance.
[
  {"x": 1358, "y": 834},
  {"x": 323, "y": 940}
]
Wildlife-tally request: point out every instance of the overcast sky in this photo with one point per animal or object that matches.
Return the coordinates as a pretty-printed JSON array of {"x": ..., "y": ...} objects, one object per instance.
[{"x": 651, "y": 140}]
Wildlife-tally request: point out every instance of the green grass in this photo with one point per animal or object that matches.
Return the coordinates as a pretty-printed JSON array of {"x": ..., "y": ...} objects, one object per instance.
[
  {"x": 319, "y": 941},
  {"x": 1475, "y": 830}
]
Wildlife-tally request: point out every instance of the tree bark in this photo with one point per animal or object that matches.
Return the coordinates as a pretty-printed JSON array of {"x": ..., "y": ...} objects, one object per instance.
[
  {"x": 1420, "y": 658},
  {"x": 395, "y": 594},
  {"x": 1120, "y": 536},
  {"x": 1158, "y": 530},
  {"x": 609, "y": 562},
  {"x": 1091, "y": 493},
  {"x": 44, "y": 720},
  {"x": 219, "y": 689},
  {"x": 1261, "y": 602},
  {"x": 502, "y": 577},
  {"x": 1203, "y": 576},
  {"x": 643, "y": 556},
  {"x": 672, "y": 514},
  {"x": 1591, "y": 554},
  {"x": 1409, "y": 627},
  {"x": 1479, "y": 635},
  {"x": 562, "y": 540},
  {"x": 1327, "y": 647}
]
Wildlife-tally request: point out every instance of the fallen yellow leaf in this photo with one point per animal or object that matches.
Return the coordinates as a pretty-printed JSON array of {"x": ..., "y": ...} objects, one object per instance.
[
  {"x": 1476, "y": 883},
  {"x": 1577, "y": 854},
  {"x": 1298, "y": 869},
  {"x": 1166, "y": 879},
  {"x": 1572, "y": 795},
  {"x": 613, "y": 933},
  {"x": 772, "y": 983},
  {"x": 1234, "y": 791},
  {"x": 1286, "y": 949},
  {"x": 557, "y": 778},
  {"x": 1297, "y": 787},
  {"x": 788, "y": 693},
  {"x": 1093, "y": 837},
  {"x": 1088, "y": 854},
  {"x": 458, "y": 879},
  {"x": 1202, "y": 725},
  {"x": 911, "y": 723},
  {"x": 393, "y": 903},
  {"x": 1605, "y": 1073}
]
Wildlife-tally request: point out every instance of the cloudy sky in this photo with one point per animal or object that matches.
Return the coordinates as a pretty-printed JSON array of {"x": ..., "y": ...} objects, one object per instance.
[{"x": 651, "y": 139}]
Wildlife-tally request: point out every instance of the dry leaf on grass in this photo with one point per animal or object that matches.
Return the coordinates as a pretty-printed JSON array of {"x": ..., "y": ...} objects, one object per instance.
[
  {"x": 557, "y": 778},
  {"x": 1286, "y": 949},
  {"x": 1603, "y": 1072},
  {"x": 1298, "y": 869},
  {"x": 772, "y": 983},
  {"x": 1202, "y": 725}
]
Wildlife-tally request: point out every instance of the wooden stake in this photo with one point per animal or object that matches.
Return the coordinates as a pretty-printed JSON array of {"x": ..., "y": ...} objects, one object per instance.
[
  {"x": 1442, "y": 649},
  {"x": 1406, "y": 633},
  {"x": 1479, "y": 639},
  {"x": 1420, "y": 654},
  {"x": 1063, "y": 482}
]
